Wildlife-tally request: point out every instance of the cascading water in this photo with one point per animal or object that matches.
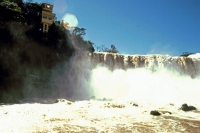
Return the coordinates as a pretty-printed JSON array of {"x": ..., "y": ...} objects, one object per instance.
[
  {"x": 184, "y": 65},
  {"x": 137, "y": 84},
  {"x": 152, "y": 78}
]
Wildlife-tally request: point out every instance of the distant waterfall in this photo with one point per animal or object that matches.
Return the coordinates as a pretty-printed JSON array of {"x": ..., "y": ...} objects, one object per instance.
[
  {"x": 184, "y": 65},
  {"x": 148, "y": 78}
]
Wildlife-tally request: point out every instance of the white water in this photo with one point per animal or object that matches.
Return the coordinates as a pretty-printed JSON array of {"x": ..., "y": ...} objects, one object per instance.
[
  {"x": 151, "y": 90},
  {"x": 143, "y": 85}
]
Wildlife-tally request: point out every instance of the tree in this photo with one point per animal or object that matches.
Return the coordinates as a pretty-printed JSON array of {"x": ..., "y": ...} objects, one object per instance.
[
  {"x": 78, "y": 31},
  {"x": 113, "y": 49},
  {"x": 89, "y": 46},
  {"x": 10, "y": 11},
  {"x": 31, "y": 13},
  {"x": 102, "y": 48},
  {"x": 186, "y": 54},
  {"x": 19, "y": 2},
  {"x": 56, "y": 35}
]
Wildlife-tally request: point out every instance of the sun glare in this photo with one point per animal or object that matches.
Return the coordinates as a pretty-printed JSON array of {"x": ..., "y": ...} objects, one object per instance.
[{"x": 70, "y": 19}]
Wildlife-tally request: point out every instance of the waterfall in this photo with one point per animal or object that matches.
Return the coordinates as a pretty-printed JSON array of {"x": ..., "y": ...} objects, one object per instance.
[
  {"x": 184, "y": 65},
  {"x": 153, "y": 78}
]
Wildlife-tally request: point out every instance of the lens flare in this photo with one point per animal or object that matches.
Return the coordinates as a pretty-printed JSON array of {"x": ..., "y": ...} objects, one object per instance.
[
  {"x": 60, "y": 6},
  {"x": 70, "y": 20}
]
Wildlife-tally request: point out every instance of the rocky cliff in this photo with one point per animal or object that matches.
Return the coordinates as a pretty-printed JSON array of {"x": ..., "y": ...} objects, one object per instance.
[{"x": 189, "y": 65}]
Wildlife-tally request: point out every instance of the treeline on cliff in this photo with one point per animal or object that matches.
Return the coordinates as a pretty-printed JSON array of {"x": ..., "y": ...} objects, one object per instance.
[{"x": 26, "y": 50}]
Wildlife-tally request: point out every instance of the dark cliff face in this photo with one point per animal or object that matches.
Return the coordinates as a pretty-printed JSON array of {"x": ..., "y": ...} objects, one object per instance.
[{"x": 184, "y": 65}]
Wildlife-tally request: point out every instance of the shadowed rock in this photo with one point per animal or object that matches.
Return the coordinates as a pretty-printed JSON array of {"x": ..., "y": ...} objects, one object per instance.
[
  {"x": 185, "y": 107},
  {"x": 134, "y": 104},
  {"x": 155, "y": 113}
]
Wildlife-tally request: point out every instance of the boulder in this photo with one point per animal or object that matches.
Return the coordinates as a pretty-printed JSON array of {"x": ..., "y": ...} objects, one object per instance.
[
  {"x": 185, "y": 107},
  {"x": 155, "y": 113},
  {"x": 135, "y": 104}
]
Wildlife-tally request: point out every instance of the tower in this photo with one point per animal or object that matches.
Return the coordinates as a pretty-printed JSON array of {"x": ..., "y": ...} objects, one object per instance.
[{"x": 47, "y": 16}]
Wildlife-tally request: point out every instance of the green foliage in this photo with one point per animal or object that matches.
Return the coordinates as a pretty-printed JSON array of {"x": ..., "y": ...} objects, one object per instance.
[
  {"x": 10, "y": 11},
  {"x": 77, "y": 41},
  {"x": 102, "y": 48},
  {"x": 186, "y": 54},
  {"x": 57, "y": 38},
  {"x": 25, "y": 50},
  {"x": 78, "y": 31},
  {"x": 56, "y": 35},
  {"x": 112, "y": 49},
  {"x": 19, "y": 2},
  {"x": 89, "y": 46},
  {"x": 31, "y": 13}
]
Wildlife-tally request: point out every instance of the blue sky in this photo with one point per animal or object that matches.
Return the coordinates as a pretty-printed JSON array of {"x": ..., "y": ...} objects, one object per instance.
[{"x": 137, "y": 26}]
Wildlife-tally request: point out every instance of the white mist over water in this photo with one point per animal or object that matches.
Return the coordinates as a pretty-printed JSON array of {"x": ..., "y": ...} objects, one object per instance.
[{"x": 143, "y": 85}]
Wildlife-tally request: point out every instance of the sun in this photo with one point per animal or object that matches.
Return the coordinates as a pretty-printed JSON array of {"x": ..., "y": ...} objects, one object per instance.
[{"x": 70, "y": 19}]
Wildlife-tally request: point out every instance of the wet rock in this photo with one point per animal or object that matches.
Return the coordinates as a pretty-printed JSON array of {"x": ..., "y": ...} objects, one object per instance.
[
  {"x": 185, "y": 107},
  {"x": 93, "y": 98},
  {"x": 155, "y": 113},
  {"x": 63, "y": 101},
  {"x": 134, "y": 104}
]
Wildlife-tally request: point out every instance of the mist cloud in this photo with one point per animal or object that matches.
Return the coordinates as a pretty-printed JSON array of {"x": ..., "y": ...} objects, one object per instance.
[
  {"x": 162, "y": 86},
  {"x": 164, "y": 49}
]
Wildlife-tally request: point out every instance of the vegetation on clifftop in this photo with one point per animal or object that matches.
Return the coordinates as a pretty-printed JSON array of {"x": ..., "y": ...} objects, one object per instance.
[{"x": 25, "y": 50}]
